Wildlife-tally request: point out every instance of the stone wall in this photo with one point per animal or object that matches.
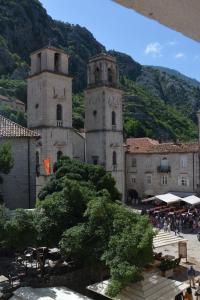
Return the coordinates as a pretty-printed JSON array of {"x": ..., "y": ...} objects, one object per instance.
[
  {"x": 18, "y": 186},
  {"x": 148, "y": 165}
]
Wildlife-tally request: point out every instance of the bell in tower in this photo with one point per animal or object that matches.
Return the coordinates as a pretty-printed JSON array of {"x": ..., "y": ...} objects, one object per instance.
[{"x": 102, "y": 70}]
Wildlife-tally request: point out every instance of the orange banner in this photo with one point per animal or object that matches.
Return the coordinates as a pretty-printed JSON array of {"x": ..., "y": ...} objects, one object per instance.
[{"x": 47, "y": 166}]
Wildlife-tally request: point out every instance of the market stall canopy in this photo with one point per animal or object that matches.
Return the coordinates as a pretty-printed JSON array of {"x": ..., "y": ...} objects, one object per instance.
[
  {"x": 165, "y": 238},
  {"x": 152, "y": 287},
  {"x": 192, "y": 200},
  {"x": 182, "y": 16},
  {"x": 57, "y": 293},
  {"x": 167, "y": 198}
]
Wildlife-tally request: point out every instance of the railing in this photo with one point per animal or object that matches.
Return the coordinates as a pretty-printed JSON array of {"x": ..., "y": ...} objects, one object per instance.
[
  {"x": 163, "y": 169},
  {"x": 59, "y": 123}
]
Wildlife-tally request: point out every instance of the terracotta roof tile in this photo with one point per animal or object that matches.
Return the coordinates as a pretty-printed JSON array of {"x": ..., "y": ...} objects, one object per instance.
[
  {"x": 9, "y": 128},
  {"x": 147, "y": 145}
]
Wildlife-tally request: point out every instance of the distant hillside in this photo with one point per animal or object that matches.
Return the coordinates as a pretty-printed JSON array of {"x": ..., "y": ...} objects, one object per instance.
[
  {"x": 177, "y": 74},
  {"x": 25, "y": 26}
]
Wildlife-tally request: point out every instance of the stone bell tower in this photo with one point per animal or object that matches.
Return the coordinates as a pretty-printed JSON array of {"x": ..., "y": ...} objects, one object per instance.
[
  {"x": 49, "y": 107},
  {"x": 103, "y": 117}
]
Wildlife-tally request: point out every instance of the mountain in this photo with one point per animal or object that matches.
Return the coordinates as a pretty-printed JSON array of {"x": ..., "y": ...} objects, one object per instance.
[
  {"x": 177, "y": 74},
  {"x": 151, "y": 94}
]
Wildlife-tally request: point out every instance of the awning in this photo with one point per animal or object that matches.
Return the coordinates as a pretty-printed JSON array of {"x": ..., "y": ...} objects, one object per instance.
[
  {"x": 52, "y": 293},
  {"x": 152, "y": 287},
  {"x": 167, "y": 198},
  {"x": 182, "y": 16},
  {"x": 164, "y": 239},
  {"x": 192, "y": 200}
]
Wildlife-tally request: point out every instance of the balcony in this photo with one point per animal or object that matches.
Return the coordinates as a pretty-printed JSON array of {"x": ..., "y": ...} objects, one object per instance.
[
  {"x": 163, "y": 169},
  {"x": 59, "y": 123}
]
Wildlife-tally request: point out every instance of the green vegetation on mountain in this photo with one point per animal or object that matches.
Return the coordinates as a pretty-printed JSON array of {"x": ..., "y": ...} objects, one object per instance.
[{"x": 25, "y": 26}]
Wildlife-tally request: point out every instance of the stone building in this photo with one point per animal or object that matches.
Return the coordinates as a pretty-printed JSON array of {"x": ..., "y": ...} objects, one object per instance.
[
  {"x": 13, "y": 103},
  {"x": 103, "y": 117},
  {"x": 49, "y": 110},
  {"x": 153, "y": 168},
  {"x": 18, "y": 188}
]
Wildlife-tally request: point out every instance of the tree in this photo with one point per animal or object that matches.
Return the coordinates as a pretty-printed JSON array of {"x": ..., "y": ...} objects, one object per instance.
[
  {"x": 6, "y": 160},
  {"x": 20, "y": 231},
  {"x": 113, "y": 236}
]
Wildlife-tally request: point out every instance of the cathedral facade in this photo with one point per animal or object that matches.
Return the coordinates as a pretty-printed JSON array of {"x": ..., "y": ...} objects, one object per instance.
[{"x": 49, "y": 110}]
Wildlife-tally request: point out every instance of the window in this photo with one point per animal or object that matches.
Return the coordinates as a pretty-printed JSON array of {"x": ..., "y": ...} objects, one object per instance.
[
  {"x": 164, "y": 180},
  {"x": 113, "y": 119},
  {"x": 149, "y": 179},
  {"x": 57, "y": 62},
  {"x": 37, "y": 164},
  {"x": 97, "y": 75},
  {"x": 134, "y": 162},
  {"x": 114, "y": 158},
  {"x": 183, "y": 181},
  {"x": 59, "y": 114},
  {"x": 39, "y": 62},
  {"x": 133, "y": 179},
  {"x": 164, "y": 162},
  {"x": 110, "y": 75},
  {"x": 94, "y": 113},
  {"x": 95, "y": 160},
  {"x": 59, "y": 155},
  {"x": 183, "y": 162}
]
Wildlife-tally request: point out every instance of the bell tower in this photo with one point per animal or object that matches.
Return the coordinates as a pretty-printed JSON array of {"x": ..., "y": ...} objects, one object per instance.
[
  {"x": 103, "y": 117},
  {"x": 49, "y": 108}
]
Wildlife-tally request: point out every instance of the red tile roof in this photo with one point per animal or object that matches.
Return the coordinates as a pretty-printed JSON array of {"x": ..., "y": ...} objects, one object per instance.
[
  {"x": 147, "y": 145},
  {"x": 9, "y": 128}
]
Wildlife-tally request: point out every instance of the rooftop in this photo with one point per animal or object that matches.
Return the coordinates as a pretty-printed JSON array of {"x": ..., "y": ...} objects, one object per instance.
[
  {"x": 11, "y": 129},
  {"x": 103, "y": 56},
  {"x": 11, "y": 99},
  {"x": 50, "y": 47},
  {"x": 147, "y": 145}
]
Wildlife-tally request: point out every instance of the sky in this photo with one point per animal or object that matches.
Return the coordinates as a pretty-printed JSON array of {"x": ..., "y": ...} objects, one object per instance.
[{"x": 124, "y": 30}]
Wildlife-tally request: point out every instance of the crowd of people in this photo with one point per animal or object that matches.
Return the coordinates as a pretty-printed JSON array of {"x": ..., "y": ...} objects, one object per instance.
[{"x": 188, "y": 221}]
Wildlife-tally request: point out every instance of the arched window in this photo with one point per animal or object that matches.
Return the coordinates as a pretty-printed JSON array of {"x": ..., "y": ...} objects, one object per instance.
[
  {"x": 97, "y": 75},
  {"x": 113, "y": 118},
  {"x": 59, "y": 155},
  {"x": 110, "y": 75},
  {"x": 37, "y": 158},
  {"x": 57, "y": 62},
  {"x": 39, "y": 62},
  {"x": 114, "y": 158},
  {"x": 59, "y": 114}
]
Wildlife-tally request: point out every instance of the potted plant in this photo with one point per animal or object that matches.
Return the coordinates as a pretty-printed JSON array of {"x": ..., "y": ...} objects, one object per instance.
[{"x": 167, "y": 267}]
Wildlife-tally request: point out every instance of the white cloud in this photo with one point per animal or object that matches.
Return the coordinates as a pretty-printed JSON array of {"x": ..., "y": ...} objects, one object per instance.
[
  {"x": 172, "y": 43},
  {"x": 179, "y": 55},
  {"x": 153, "y": 49}
]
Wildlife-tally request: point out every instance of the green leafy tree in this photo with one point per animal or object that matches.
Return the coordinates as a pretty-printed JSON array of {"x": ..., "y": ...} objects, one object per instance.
[
  {"x": 111, "y": 236},
  {"x": 20, "y": 230},
  {"x": 6, "y": 160}
]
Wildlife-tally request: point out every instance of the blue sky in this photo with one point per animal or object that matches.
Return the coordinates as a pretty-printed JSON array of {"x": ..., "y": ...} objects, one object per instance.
[{"x": 124, "y": 30}]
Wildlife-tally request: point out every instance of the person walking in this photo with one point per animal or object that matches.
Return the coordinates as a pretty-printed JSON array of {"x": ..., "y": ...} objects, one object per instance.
[
  {"x": 197, "y": 293},
  {"x": 188, "y": 294},
  {"x": 191, "y": 275}
]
